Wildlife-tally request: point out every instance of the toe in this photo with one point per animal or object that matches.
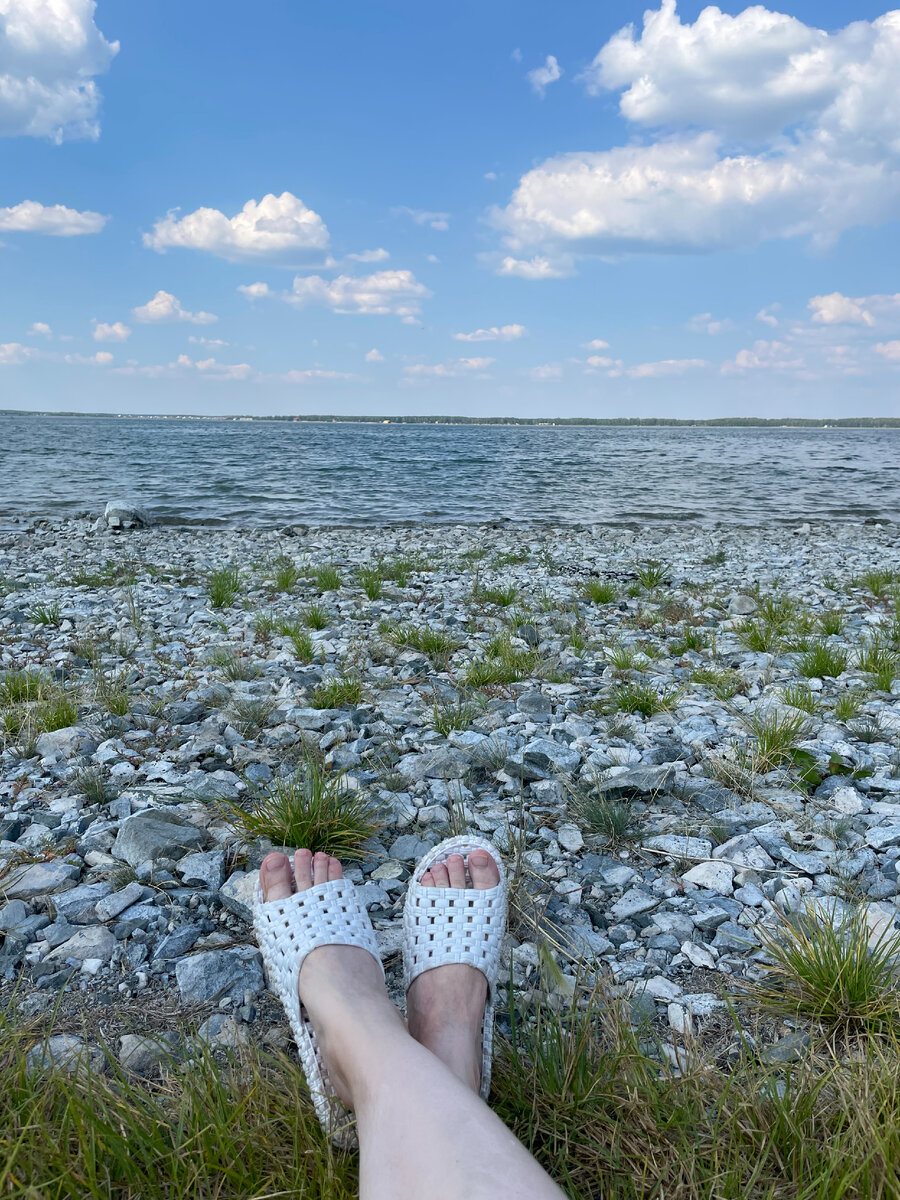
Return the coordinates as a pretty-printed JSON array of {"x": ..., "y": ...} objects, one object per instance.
[
  {"x": 335, "y": 870},
  {"x": 456, "y": 869},
  {"x": 483, "y": 870},
  {"x": 320, "y": 868},
  {"x": 440, "y": 875},
  {"x": 303, "y": 870},
  {"x": 428, "y": 879},
  {"x": 275, "y": 877}
]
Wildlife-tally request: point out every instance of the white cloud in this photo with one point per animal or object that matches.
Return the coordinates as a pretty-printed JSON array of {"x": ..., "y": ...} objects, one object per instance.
[
  {"x": 215, "y": 343},
  {"x": 599, "y": 361},
  {"x": 381, "y": 293},
  {"x": 596, "y": 344},
  {"x": 13, "y": 353},
  {"x": 762, "y": 128},
  {"x": 41, "y": 329},
  {"x": 516, "y": 55},
  {"x": 666, "y": 366},
  {"x": 836, "y": 309},
  {"x": 276, "y": 225},
  {"x": 102, "y": 358},
  {"x": 254, "y": 291},
  {"x": 447, "y": 370},
  {"x": 317, "y": 373},
  {"x": 541, "y": 77},
  {"x": 501, "y": 333},
  {"x": 546, "y": 373},
  {"x": 432, "y": 258},
  {"x": 166, "y": 307},
  {"x": 206, "y": 368},
  {"x": 374, "y": 356},
  {"x": 49, "y": 52},
  {"x": 767, "y": 315},
  {"x": 492, "y": 175},
  {"x": 888, "y": 350},
  {"x": 765, "y": 355},
  {"x": 117, "y": 332},
  {"x": 55, "y": 220},
  {"x": 368, "y": 256},
  {"x": 422, "y": 216},
  {"x": 704, "y": 323},
  {"x": 532, "y": 268}
]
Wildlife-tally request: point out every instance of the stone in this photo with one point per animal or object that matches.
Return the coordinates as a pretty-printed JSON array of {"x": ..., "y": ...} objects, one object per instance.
[
  {"x": 12, "y": 915},
  {"x": 744, "y": 851},
  {"x": 212, "y": 975},
  {"x": 112, "y": 904},
  {"x": 788, "y": 1049},
  {"x": 79, "y": 905},
  {"x": 847, "y": 801},
  {"x": 714, "y": 876},
  {"x": 153, "y": 834},
  {"x": 237, "y": 893},
  {"x": 177, "y": 943},
  {"x": 66, "y": 743},
  {"x": 680, "y": 1020},
  {"x": 698, "y": 955},
  {"x": 632, "y": 903},
  {"x": 740, "y": 605},
  {"x": 639, "y": 781},
  {"x": 204, "y": 869},
  {"x": 39, "y": 879},
  {"x": 221, "y": 1029},
  {"x": 680, "y": 847},
  {"x": 569, "y": 837},
  {"x": 879, "y": 837},
  {"x": 547, "y": 755},
  {"x": 445, "y": 763},
  {"x": 661, "y": 988},
  {"x": 148, "y": 1055},
  {"x": 535, "y": 704},
  {"x": 92, "y": 941},
  {"x": 119, "y": 514},
  {"x": 409, "y": 848},
  {"x": 584, "y": 942},
  {"x": 65, "y": 1052}
]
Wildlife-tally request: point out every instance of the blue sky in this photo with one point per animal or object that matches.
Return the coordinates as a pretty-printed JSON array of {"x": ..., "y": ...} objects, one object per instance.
[{"x": 483, "y": 208}]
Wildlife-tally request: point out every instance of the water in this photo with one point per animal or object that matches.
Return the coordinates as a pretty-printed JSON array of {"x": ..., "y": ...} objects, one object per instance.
[{"x": 275, "y": 473}]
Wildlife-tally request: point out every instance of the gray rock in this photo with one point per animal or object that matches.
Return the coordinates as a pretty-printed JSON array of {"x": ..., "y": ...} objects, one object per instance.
[
  {"x": 149, "y": 1055},
  {"x": 714, "y": 876},
  {"x": 118, "y": 514},
  {"x": 177, "y": 943},
  {"x": 154, "y": 834},
  {"x": 12, "y": 915},
  {"x": 879, "y": 837},
  {"x": 237, "y": 892},
  {"x": 66, "y": 742},
  {"x": 535, "y": 704},
  {"x": 639, "y": 781},
  {"x": 213, "y": 974},
  {"x": 633, "y": 902},
  {"x": 79, "y": 905},
  {"x": 547, "y": 755},
  {"x": 740, "y": 605},
  {"x": 788, "y": 1049},
  {"x": 678, "y": 846},
  {"x": 731, "y": 936},
  {"x": 222, "y": 1030},
  {"x": 409, "y": 848},
  {"x": 744, "y": 851},
  {"x": 93, "y": 941},
  {"x": 40, "y": 879},
  {"x": 444, "y": 763},
  {"x": 65, "y": 1052},
  {"x": 111, "y": 905},
  {"x": 204, "y": 869},
  {"x": 569, "y": 837}
]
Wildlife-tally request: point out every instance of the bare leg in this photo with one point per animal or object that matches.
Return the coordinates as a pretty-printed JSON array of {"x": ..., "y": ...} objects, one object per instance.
[{"x": 422, "y": 1131}]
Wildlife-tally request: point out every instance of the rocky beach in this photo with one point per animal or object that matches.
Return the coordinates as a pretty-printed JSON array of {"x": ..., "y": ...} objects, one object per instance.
[{"x": 676, "y": 735}]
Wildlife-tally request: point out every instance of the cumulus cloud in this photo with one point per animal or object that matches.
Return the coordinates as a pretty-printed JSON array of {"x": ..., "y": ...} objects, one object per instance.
[
  {"x": 369, "y": 256},
  {"x": 374, "y": 356},
  {"x": 704, "y": 323},
  {"x": 41, "y": 329},
  {"x": 596, "y": 344},
  {"x": 166, "y": 307},
  {"x": 446, "y": 370},
  {"x": 422, "y": 216},
  {"x": 54, "y": 219},
  {"x": 117, "y": 332},
  {"x": 313, "y": 374},
  {"x": 275, "y": 226},
  {"x": 598, "y": 362},
  {"x": 379, "y": 294},
  {"x": 102, "y": 358},
  {"x": 254, "y": 291},
  {"x": 767, "y": 315},
  {"x": 532, "y": 268},
  {"x": 13, "y": 353},
  {"x": 837, "y": 309},
  {"x": 216, "y": 343},
  {"x": 541, "y": 77},
  {"x": 760, "y": 127},
  {"x": 765, "y": 355},
  {"x": 888, "y": 350},
  {"x": 206, "y": 368},
  {"x": 545, "y": 373},
  {"x": 496, "y": 333},
  {"x": 666, "y": 366},
  {"x": 50, "y": 50}
]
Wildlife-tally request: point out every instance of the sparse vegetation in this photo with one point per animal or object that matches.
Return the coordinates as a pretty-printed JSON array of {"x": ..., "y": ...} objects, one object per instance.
[
  {"x": 450, "y": 714},
  {"x": 501, "y": 596},
  {"x": 821, "y": 659},
  {"x": 250, "y": 715},
  {"x": 285, "y": 573},
  {"x": 223, "y": 586},
  {"x": 881, "y": 662},
  {"x": 316, "y": 616},
  {"x": 800, "y": 695},
  {"x": 610, "y": 819},
  {"x": 341, "y": 691},
  {"x": 643, "y": 698},
  {"x": 775, "y": 734},
  {"x": 722, "y": 683},
  {"x": 371, "y": 582},
  {"x": 234, "y": 666},
  {"x": 46, "y": 614},
  {"x": 438, "y": 644},
  {"x": 327, "y": 578},
  {"x": 601, "y": 591},
  {"x": 651, "y": 573}
]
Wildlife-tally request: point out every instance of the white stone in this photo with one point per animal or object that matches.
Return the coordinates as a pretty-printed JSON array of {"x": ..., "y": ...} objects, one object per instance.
[{"x": 714, "y": 876}]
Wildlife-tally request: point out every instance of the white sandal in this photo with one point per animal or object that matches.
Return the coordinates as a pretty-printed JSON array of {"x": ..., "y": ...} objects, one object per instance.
[
  {"x": 326, "y": 914},
  {"x": 457, "y": 925}
]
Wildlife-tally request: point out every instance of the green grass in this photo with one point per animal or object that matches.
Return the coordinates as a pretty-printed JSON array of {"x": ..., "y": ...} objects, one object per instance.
[
  {"x": 601, "y": 591},
  {"x": 342, "y": 691},
  {"x": 110, "y": 574},
  {"x": 285, "y": 573},
  {"x": 110, "y": 690},
  {"x": 371, "y": 582},
  {"x": 316, "y": 616},
  {"x": 722, "y": 683},
  {"x": 223, "y": 586},
  {"x": 689, "y": 638},
  {"x": 438, "y": 644},
  {"x": 611, "y": 819},
  {"x": 827, "y": 967},
  {"x": 503, "y": 597},
  {"x": 821, "y": 659},
  {"x": 249, "y": 716},
  {"x": 623, "y": 657},
  {"x": 21, "y": 724},
  {"x": 94, "y": 785},
  {"x": 877, "y": 583},
  {"x": 509, "y": 558},
  {"x": 398, "y": 570},
  {"x": 760, "y": 637},
  {"x": 717, "y": 559},
  {"x": 312, "y": 808},
  {"x": 46, "y": 614},
  {"x": 775, "y": 735},
  {"x": 18, "y": 687},
  {"x": 233, "y": 666},
  {"x": 881, "y": 662},
  {"x": 849, "y": 704},
  {"x": 651, "y": 573},
  {"x": 504, "y": 664},
  {"x": 643, "y": 698},
  {"x": 799, "y": 695},
  {"x": 832, "y": 622},
  {"x": 264, "y": 625},
  {"x": 327, "y": 578},
  {"x": 447, "y": 715}
]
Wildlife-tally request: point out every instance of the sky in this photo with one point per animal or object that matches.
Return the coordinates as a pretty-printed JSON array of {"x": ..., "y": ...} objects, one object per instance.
[{"x": 487, "y": 208}]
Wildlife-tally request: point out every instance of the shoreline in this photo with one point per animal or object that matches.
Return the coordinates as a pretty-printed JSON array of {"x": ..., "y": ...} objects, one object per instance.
[{"x": 494, "y": 677}]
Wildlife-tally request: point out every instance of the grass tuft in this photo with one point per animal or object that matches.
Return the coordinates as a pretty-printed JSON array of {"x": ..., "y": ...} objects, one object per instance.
[
  {"x": 643, "y": 698},
  {"x": 601, "y": 591},
  {"x": 223, "y": 586},
  {"x": 328, "y": 578},
  {"x": 820, "y": 659},
  {"x": 342, "y": 691},
  {"x": 776, "y": 735}
]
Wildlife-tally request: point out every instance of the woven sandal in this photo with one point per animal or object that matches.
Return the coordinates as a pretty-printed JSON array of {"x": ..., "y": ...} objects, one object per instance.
[
  {"x": 457, "y": 925},
  {"x": 327, "y": 914}
]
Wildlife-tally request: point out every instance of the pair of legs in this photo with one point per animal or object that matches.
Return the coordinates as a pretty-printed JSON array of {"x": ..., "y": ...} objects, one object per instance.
[{"x": 423, "y": 1130}]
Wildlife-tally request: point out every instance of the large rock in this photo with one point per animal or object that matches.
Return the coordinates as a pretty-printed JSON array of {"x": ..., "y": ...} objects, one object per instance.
[
  {"x": 214, "y": 974},
  {"x": 638, "y": 782},
  {"x": 680, "y": 846},
  {"x": 550, "y": 756},
  {"x": 66, "y": 743},
  {"x": 236, "y": 893},
  {"x": 65, "y": 1052},
  {"x": 39, "y": 879},
  {"x": 119, "y": 514},
  {"x": 148, "y": 1055},
  {"x": 714, "y": 876},
  {"x": 154, "y": 834},
  {"x": 444, "y": 763},
  {"x": 79, "y": 906},
  {"x": 94, "y": 941}
]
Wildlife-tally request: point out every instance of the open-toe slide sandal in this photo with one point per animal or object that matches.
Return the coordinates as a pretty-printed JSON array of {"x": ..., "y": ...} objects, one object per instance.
[
  {"x": 457, "y": 925},
  {"x": 327, "y": 914}
]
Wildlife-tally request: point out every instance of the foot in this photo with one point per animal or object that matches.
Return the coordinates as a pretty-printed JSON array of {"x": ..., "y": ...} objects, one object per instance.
[
  {"x": 340, "y": 987},
  {"x": 445, "y": 1005}
]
